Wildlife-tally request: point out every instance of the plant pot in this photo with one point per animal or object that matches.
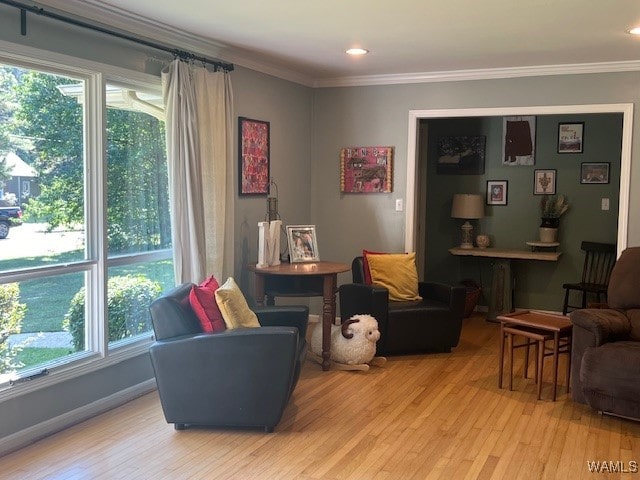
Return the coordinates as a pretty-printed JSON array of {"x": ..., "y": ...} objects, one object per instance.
[
  {"x": 548, "y": 234},
  {"x": 550, "y": 222}
]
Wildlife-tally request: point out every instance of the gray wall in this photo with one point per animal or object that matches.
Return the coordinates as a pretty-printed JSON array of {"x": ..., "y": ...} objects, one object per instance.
[
  {"x": 378, "y": 115},
  {"x": 539, "y": 284},
  {"x": 287, "y": 107}
]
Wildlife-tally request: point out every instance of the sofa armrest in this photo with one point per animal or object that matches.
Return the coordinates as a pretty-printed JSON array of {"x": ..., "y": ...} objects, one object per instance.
[
  {"x": 592, "y": 328},
  {"x": 284, "y": 316},
  {"x": 216, "y": 378},
  {"x": 606, "y": 325},
  {"x": 453, "y": 296}
]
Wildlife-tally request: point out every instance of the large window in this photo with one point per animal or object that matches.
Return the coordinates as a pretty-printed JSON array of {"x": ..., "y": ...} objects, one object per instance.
[{"x": 91, "y": 247}]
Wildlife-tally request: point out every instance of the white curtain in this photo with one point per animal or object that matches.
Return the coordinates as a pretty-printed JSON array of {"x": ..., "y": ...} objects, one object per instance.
[{"x": 198, "y": 107}]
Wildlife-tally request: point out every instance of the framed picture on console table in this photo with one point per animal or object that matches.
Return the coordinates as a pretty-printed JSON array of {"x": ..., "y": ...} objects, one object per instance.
[
  {"x": 253, "y": 157},
  {"x": 303, "y": 244}
]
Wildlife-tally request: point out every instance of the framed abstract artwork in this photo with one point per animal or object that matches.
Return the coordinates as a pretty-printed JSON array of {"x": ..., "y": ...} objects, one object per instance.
[
  {"x": 366, "y": 169},
  {"x": 461, "y": 155},
  {"x": 253, "y": 156}
]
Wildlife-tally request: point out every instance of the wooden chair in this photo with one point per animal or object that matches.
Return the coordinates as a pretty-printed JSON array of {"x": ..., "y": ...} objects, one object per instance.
[{"x": 598, "y": 262}]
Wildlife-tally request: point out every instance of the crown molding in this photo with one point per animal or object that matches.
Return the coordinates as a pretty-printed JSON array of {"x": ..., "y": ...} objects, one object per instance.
[
  {"x": 479, "y": 74},
  {"x": 97, "y": 11}
]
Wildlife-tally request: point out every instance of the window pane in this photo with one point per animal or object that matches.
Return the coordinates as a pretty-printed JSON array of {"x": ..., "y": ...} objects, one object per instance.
[
  {"x": 138, "y": 210},
  {"x": 41, "y": 169},
  {"x": 137, "y": 185},
  {"x": 43, "y": 320},
  {"x": 131, "y": 289}
]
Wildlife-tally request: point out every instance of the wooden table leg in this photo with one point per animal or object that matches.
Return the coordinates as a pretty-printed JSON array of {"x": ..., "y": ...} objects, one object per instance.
[
  {"x": 568, "y": 362},
  {"x": 259, "y": 285},
  {"x": 501, "y": 365},
  {"x": 510, "y": 348},
  {"x": 328, "y": 316},
  {"x": 556, "y": 347},
  {"x": 540, "y": 361}
]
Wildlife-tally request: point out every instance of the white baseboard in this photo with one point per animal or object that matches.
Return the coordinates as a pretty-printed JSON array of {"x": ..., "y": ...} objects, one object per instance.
[{"x": 36, "y": 432}]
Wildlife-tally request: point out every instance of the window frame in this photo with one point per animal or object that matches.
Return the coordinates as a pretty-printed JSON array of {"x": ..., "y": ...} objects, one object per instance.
[{"x": 96, "y": 264}]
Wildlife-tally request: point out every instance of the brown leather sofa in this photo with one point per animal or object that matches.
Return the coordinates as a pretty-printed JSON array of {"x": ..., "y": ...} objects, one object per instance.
[
  {"x": 432, "y": 324},
  {"x": 605, "y": 370}
]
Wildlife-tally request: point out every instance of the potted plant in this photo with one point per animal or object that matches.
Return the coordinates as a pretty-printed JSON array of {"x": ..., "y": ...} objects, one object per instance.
[{"x": 551, "y": 209}]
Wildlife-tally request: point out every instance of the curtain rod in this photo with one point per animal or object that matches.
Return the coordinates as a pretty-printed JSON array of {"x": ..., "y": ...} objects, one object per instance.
[{"x": 182, "y": 54}]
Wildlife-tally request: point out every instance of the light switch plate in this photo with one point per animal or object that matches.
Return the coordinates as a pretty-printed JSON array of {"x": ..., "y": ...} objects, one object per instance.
[
  {"x": 399, "y": 205},
  {"x": 605, "y": 204}
]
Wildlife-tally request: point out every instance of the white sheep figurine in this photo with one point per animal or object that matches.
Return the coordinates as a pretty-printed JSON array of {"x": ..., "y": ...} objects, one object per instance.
[{"x": 353, "y": 344}]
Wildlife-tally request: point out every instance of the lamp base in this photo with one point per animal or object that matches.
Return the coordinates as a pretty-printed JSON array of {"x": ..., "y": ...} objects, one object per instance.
[{"x": 467, "y": 238}]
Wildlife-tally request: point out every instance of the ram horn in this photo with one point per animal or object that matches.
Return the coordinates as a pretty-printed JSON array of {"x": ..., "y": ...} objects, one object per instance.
[{"x": 345, "y": 326}]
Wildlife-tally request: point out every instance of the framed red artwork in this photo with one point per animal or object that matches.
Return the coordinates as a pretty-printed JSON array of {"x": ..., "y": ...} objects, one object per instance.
[
  {"x": 253, "y": 156},
  {"x": 366, "y": 169}
]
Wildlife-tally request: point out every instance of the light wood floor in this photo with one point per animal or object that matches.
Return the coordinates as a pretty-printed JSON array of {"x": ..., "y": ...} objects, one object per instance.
[{"x": 418, "y": 417}]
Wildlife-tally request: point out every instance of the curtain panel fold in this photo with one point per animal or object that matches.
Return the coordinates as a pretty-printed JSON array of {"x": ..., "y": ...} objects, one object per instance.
[{"x": 199, "y": 113}]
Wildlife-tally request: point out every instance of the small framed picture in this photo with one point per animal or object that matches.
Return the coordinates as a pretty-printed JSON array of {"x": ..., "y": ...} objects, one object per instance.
[
  {"x": 544, "y": 182},
  {"x": 570, "y": 137},
  {"x": 594, "y": 173},
  {"x": 303, "y": 244},
  {"x": 497, "y": 192}
]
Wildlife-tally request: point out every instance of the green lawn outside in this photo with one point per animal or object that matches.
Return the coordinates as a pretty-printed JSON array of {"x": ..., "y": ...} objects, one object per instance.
[
  {"x": 35, "y": 356},
  {"x": 48, "y": 298}
]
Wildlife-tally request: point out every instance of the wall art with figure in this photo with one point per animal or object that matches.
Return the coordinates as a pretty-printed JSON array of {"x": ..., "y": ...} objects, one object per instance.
[{"x": 366, "y": 169}]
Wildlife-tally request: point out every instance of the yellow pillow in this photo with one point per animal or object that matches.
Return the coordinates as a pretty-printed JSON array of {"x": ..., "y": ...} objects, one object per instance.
[
  {"x": 233, "y": 306},
  {"x": 397, "y": 273}
]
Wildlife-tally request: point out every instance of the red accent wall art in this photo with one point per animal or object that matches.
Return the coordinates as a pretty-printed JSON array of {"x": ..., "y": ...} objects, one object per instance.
[
  {"x": 253, "y": 152},
  {"x": 366, "y": 169}
]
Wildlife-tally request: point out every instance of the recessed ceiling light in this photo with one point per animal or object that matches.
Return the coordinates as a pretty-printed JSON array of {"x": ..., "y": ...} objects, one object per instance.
[
  {"x": 634, "y": 31},
  {"x": 357, "y": 51}
]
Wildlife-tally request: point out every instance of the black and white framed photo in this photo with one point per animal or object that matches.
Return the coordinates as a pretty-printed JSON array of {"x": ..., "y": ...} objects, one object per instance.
[
  {"x": 544, "y": 182},
  {"x": 497, "y": 192},
  {"x": 570, "y": 137},
  {"x": 303, "y": 244},
  {"x": 594, "y": 173}
]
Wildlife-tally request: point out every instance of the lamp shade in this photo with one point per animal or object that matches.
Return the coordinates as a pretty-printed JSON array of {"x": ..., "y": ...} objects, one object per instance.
[{"x": 467, "y": 205}]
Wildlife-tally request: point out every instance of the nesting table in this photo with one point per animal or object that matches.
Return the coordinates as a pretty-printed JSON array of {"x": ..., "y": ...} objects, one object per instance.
[{"x": 537, "y": 328}]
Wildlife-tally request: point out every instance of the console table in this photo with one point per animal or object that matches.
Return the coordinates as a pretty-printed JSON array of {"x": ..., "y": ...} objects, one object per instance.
[
  {"x": 502, "y": 290},
  {"x": 303, "y": 280}
]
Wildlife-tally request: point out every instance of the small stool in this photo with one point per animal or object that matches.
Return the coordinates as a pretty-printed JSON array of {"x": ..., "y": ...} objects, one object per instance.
[{"x": 561, "y": 343}]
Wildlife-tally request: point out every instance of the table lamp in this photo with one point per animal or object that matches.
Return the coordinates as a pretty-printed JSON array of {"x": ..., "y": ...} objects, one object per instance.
[{"x": 467, "y": 206}]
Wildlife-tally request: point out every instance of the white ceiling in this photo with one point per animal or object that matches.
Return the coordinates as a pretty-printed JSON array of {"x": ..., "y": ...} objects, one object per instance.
[{"x": 408, "y": 40}]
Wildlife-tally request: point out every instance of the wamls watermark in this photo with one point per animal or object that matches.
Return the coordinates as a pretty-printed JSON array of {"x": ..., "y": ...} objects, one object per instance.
[{"x": 612, "y": 467}]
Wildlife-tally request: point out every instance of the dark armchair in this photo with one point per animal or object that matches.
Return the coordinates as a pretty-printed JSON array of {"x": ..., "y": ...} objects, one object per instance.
[
  {"x": 432, "y": 324},
  {"x": 235, "y": 378},
  {"x": 605, "y": 356}
]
